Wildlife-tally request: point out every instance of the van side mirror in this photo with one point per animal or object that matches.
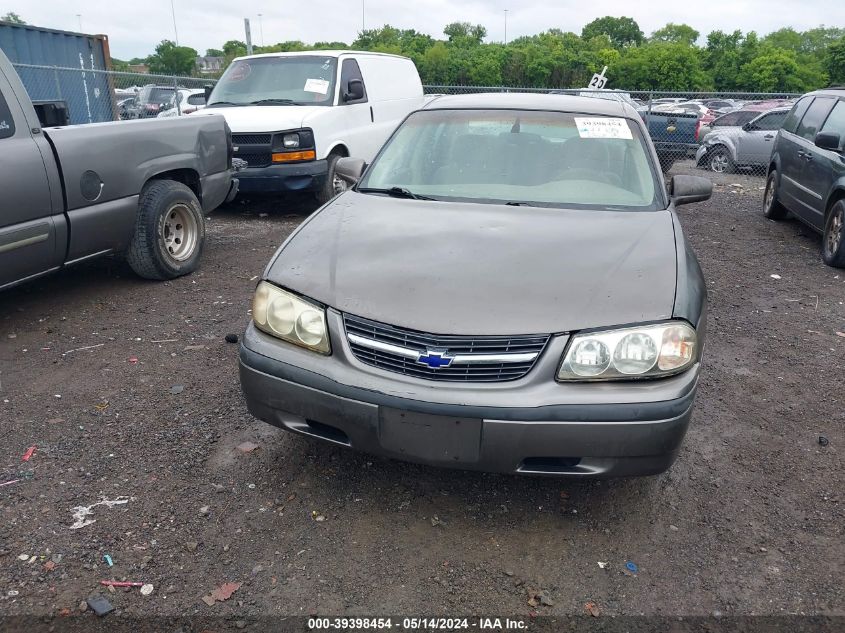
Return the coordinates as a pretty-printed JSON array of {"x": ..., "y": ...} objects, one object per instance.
[
  {"x": 207, "y": 90},
  {"x": 828, "y": 140},
  {"x": 687, "y": 189},
  {"x": 350, "y": 169},
  {"x": 354, "y": 90}
]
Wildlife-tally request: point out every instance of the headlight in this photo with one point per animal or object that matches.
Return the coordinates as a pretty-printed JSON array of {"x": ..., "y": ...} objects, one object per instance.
[
  {"x": 291, "y": 318},
  {"x": 290, "y": 141},
  {"x": 637, "y": 352}
]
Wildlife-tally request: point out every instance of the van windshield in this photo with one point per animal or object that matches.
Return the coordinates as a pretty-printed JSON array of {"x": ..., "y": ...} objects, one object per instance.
[{"x": 299, "y": 80}]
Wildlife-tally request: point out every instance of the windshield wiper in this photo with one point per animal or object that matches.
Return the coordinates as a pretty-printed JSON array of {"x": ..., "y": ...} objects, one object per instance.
[
  {"x": 273, "y": 102},
  {"x": 228, "y": 103},
  {"x": 395, "y": 192}
]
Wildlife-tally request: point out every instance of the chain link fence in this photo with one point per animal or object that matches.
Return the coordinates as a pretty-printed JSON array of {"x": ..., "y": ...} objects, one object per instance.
[
  {"x": 93, "y": 96},
  {"x": 721, "y": 133}
]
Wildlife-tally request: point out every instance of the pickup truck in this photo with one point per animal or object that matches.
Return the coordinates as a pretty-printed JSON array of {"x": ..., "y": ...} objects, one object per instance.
[
  {"x": 674, "y": 134},
  {"x": 135, "y": 188}
]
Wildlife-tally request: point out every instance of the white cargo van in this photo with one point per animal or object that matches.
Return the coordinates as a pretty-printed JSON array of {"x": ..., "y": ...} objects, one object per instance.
[{"x": 292, "y": 115}]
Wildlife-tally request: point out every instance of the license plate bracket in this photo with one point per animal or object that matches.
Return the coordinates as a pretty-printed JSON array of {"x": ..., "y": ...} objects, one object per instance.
[{"x": 435, "y": 438}]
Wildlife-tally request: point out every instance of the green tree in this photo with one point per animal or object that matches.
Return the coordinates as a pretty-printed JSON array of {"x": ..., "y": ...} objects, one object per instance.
[
  {"x": 661, "y": 66},
  {"x": 623, "y": 32},
  {"x": 119, "y": 64},
  {"x": 835, "y": 62},
  {"x": 234, "y": 48},
  {"x": 773, "y": 70},
  {"x": 12, "y": 17},
  {"x": 214, "y": 52},
  {"x": 464, "y": 33},
  {"x": 172, "y": 59},
  {"x": 676, "y": 33}
]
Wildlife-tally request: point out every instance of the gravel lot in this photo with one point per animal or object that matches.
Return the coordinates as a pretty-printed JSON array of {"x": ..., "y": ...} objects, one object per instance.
[{"x": 749, "y": 521}]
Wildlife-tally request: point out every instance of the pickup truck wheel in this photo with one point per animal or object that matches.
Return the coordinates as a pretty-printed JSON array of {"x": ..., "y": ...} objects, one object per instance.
[
  {"x": 772, "y": 208},
  {"x": 169, "y": 232},
  {"x": 719, "y": 160},
  {"x": 334, "y": 184},
  {"x": 833, "y": 242}
]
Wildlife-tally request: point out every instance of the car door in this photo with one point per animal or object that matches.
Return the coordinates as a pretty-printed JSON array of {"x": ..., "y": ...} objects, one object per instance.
[
  {"x": 357, "y": 114},
  {"x": 786, "y": 148},
  {"x": 810, "y": 207},
  {"x": 28, "y": 241},
  {"x": 755, "y": 144},
  {"x": 820, "y": 170}
]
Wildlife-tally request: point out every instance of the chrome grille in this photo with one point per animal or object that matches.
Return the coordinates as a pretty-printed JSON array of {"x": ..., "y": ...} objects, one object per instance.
[
  {"x": 396, "y": 349},
  {"x": 251, "y": 139}
]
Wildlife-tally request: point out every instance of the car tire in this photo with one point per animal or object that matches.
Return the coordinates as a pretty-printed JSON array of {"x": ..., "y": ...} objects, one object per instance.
[
  {"x": 169, "y": 232},
  {"x": 772, "y": 208},
  {"x": 334, "y": 185},
  {"x": 833, "y": 240},
  {"x": 720, "y": 161}
]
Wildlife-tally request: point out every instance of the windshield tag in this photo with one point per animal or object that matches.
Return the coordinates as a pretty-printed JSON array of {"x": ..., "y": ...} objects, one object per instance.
[
  {"x": 603, "y": 127},
  {"x": 320, "y": 86}
]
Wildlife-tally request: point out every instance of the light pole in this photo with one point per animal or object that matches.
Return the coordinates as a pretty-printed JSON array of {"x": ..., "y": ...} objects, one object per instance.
[
  {"x": 173, "y": 13},
  {"x": 363, "y": 22},
  {"x": 261, "y": 29},
  {"x": 506, "y": 27},
  {"x": 79, "y": 19}
]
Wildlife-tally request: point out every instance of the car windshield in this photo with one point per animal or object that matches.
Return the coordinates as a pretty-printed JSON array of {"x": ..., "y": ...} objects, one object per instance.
[
  {"x": 519, "y": 157},
  {"x": 296, "y": 80}
]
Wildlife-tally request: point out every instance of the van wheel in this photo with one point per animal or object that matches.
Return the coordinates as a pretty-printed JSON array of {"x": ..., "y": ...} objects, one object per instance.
[
  {"x": 169, "y": 232},
  {"x": 334, "y": 185},
  {"x": 833, "y": 242},
  {"x": 772, "y": 208},
  {"x": 719, "y": 160}
]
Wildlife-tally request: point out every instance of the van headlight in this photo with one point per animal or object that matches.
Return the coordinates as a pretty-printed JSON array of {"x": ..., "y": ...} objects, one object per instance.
[
  {"x": 647, "y": 351},
  {"x": 291, "y": 318},
  {"x": 290, "y": 141}
]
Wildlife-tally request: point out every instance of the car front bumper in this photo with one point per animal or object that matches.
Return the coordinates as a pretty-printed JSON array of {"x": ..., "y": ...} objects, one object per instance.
[
  {"x": 284, "y": 178},
  {"x": 700, "y": 153},
  {"x": 532, "y": 425}
]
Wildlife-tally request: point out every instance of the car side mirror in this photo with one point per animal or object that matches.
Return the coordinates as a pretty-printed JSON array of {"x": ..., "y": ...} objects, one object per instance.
[
  {"x": 207, "y": 90},
  {"x": 748, "y": 127},
  {"x": 350, "y": 169},
  {"x": 354, "y": 90},
  {"x": 828, "y": 140},
  {"x": 687, "y": 189}
]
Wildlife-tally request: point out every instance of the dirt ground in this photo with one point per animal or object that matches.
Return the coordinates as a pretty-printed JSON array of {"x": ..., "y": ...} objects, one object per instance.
[{"x": 129, "y": 393}]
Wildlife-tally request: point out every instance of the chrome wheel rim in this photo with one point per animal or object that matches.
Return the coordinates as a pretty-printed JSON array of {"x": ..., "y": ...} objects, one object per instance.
[
  {"x": 179, "y": 232},
  {"x": 719, "y": 162},
  {"x": 769, "y": 196},
  {"x": 834, "y": 232}
]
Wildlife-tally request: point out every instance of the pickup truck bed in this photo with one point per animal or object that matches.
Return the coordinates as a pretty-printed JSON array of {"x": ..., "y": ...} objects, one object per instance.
[{"x": 72, "y": 193}]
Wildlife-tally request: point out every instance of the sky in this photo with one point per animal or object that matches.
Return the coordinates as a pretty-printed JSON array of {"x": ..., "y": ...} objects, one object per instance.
[{"x": 134, "y": 28}]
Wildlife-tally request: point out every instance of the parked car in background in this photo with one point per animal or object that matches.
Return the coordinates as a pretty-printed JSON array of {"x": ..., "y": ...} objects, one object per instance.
[
  {"x": 183, "y": 101},
  {"x": 74, "y": 193},
  {"x": 548, "y": 317},
  {"x": 806, "y": 171},
  {"x": 673, "y": 131},
  {"x": 152, "y": 100},
  {"x": 729, "y": 148},
  {"x": 293, "y": 115},
  {"x": 736, "y": 118}
]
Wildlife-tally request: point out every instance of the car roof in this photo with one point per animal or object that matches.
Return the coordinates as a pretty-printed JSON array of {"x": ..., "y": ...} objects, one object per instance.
[
  {"x": 833, "y": 91},
  {"x": 533, "y": 101},
  {"x": 319, "y": 53}
]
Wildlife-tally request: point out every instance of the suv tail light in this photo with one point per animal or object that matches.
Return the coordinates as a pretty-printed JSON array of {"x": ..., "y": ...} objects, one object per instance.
[{"x": 697, "y": 129}]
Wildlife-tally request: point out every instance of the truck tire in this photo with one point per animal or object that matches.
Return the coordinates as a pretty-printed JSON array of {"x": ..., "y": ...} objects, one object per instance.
[
  {"x": 719, "y": 160},
  {"x": 333, "y": 185},
  {"x": 772, "y": 208},
  {"x": 169, "y": 231},
  {"x": 833, "y": 240}
]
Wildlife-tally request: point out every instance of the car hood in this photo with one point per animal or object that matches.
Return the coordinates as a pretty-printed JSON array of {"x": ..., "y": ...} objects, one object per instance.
[
  {"x": 267, "y": 118},
  {"x": 465, "y": 268}
]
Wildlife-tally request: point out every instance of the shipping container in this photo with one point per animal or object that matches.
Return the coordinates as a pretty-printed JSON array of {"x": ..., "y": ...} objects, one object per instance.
[{"x": 63, "y": 66}]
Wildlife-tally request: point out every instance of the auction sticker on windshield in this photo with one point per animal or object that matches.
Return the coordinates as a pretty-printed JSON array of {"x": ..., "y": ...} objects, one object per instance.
[
  {"x": 320, "y": 86},
  {"x": 603, "y": 127}
]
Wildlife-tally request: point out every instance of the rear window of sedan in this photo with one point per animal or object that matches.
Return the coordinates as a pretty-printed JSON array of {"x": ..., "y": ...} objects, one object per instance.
[{"x": 519, "y": 156}]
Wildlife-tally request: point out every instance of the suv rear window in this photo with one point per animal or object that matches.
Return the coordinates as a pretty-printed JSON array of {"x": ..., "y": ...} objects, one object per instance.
[
  {"x": 815, "y": 116},
  {"x": 7, "y": 125}
]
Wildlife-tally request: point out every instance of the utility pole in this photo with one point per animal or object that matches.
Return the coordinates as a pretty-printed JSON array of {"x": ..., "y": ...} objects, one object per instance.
[
  {"x": 248, "y": 37},
  {"x": 506, "y": 27},
  {"x": 261, "y": 29},
  {"x": 363, "y": 22},
  {"x": 173, "y": 13},
  {"x": 79, "y": 18}
]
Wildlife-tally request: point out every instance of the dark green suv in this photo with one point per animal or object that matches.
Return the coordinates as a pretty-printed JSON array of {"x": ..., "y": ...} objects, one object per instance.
[{"x": 806, "y": 175}]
